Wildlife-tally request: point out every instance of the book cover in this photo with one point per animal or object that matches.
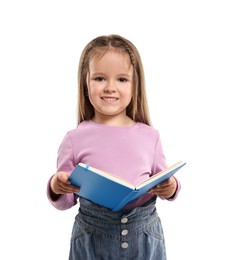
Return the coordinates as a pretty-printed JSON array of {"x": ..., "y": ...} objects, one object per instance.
[{"x": 111, "y": 191}]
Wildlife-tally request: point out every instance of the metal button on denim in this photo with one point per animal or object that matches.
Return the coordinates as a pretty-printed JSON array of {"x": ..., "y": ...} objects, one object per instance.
[
  {"x": 124, "y": 232},
  {"x": 124, "y": 220},
  {"x": 124, "y": 245}
]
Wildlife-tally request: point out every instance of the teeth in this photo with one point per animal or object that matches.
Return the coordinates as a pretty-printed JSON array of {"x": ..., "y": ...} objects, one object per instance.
[{"x": 109, "y": 99}]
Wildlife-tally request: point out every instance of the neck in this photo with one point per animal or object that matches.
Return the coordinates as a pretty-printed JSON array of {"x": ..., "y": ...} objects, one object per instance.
[{"x": 113, "y": 120}]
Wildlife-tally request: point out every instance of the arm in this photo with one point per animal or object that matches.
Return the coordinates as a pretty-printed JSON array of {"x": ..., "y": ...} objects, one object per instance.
[
  {"x": 170, "y": 188},
  {"x": 59, "y": 190}
]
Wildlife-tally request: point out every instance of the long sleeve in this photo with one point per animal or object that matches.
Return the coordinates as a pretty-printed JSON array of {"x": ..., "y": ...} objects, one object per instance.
[
  {"x": 160, "y": 164},
  {"x": 65, "y": 162}
]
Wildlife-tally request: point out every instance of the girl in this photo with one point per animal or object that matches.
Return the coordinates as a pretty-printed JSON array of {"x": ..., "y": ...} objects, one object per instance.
[{"x": 114, "y": 135}]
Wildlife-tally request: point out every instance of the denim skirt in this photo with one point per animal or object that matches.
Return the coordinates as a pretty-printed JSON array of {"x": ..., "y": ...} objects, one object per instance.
[{"x": 100, "y": 233}]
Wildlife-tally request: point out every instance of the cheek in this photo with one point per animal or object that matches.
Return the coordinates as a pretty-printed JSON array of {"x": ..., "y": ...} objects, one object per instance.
[
  {"x": 128, "y": 94},
  {"x": 95, "y": 88},
  {"x": 92, "y": 91}
]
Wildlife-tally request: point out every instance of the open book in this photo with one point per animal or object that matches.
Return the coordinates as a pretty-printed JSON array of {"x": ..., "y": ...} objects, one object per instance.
[{"x": 111, "y": 191}]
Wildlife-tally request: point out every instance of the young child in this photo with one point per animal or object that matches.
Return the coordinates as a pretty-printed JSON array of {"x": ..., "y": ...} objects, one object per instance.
[{"x": 114, "y": 135}]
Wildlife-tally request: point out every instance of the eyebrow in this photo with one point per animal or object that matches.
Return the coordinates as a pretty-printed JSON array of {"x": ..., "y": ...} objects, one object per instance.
[{"x": 128, "y": 75}]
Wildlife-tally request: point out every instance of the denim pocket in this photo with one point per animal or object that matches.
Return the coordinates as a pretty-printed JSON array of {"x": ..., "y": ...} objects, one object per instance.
[
  {"x": 154, "y": 229},
  {"x": 88, "y": 242},
  {"x": 79, "y": 229},
  {"x": 82, "y": 240},
  {"x": 151, "y": 244}
]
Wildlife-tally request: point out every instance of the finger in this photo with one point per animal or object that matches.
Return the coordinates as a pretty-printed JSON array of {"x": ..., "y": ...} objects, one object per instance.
[
  {"x": 63, "y": 177},
  {"x": 159, "y": 191},
  {"x": 161, "y": 194},
  {"x": 68, "y": 187},
  {"x": 153, "y": 191},
  {"x": 164, "y": 183}
]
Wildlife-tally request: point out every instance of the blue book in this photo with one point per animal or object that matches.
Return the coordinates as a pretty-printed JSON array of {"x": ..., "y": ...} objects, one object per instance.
[{"x": 112, "y": 191}]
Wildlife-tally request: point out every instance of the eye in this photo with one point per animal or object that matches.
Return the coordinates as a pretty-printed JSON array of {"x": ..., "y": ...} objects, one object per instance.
[
  {"x": 99, "y": 79},
  {"x": 122, "y": 79}
]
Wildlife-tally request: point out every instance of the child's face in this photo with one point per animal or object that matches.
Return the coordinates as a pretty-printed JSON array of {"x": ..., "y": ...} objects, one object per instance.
[{"x": 110, "y": 84}]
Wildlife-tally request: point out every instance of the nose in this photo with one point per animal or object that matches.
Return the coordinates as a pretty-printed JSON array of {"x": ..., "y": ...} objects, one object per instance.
[{"x": 110, "y": 87}]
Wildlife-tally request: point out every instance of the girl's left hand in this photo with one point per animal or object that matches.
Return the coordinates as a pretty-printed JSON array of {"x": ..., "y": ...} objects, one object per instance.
[{"x": 166, "y": 189}]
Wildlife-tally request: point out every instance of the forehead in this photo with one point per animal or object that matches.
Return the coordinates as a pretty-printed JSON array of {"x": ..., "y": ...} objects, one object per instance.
[{"x": 111, "y": 55}]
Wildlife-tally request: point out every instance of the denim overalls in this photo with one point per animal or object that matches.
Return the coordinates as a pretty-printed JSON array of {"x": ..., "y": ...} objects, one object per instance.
[{"x": 99, "y": 233}]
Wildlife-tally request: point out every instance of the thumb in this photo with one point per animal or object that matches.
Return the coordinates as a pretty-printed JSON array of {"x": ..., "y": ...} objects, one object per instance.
[{"x": 63, "y": 176}]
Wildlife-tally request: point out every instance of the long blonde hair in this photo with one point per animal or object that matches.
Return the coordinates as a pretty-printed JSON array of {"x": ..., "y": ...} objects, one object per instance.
[{"x": 137, "y": 110}]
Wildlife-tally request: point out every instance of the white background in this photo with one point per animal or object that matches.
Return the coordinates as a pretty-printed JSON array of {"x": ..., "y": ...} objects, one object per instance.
[{"x": 185, "y": 51}]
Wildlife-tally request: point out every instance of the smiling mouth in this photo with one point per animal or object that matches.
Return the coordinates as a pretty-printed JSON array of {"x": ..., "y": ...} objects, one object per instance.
[{"x": 109, "y": 98}]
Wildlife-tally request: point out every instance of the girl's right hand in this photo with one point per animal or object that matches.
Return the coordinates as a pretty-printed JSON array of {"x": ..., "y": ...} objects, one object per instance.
[{"x": 61, "y": 185}]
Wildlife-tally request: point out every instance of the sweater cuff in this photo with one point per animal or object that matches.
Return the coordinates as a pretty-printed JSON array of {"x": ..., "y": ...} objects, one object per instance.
[{"x": 65, "y": 201}]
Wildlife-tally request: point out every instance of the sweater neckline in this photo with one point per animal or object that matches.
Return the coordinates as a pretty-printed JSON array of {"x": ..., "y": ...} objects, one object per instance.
[{"x": 91, "y": 122}]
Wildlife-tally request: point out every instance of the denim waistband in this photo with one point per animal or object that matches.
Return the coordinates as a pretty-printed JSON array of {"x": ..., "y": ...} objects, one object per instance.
[{"x": 97, "y": 212}]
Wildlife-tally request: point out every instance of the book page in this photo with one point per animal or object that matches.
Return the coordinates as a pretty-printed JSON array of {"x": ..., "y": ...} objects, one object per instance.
[
  {"x": 108, "y": 176},
  {"x": 172, "y": 169}
]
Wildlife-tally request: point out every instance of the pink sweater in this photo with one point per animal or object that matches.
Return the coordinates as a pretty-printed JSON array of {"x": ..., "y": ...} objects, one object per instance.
[{"x": 133, "y": 153}]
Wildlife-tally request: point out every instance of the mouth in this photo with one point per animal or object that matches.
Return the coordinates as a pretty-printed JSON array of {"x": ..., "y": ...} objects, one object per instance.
[{"x": 109, "y": 98}]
